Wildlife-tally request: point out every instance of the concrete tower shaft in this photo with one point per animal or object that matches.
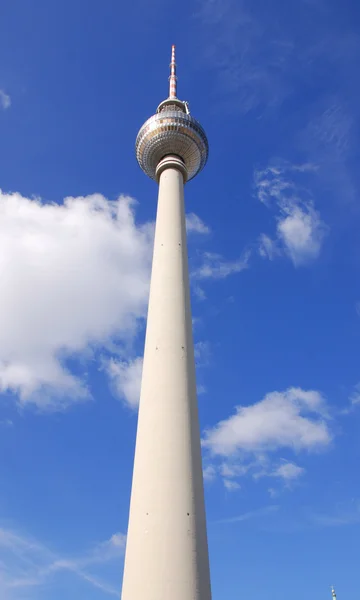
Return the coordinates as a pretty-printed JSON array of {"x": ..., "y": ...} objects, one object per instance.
[{"x": 167, "y": 551}]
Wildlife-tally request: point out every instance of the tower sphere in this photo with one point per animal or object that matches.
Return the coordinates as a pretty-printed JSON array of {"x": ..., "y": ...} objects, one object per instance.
[{"x": 172, "y": 131}]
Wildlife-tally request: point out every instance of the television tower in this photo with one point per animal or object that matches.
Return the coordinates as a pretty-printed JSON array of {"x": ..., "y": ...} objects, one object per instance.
[
  {"x": 333, "y": 593},
  {"x": 167, "y": 552}
]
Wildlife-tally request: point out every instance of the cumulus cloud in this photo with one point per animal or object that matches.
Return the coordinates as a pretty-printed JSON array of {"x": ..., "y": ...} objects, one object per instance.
[
  {"x": 26, "y": 563},
  {"x": 251, "y": 441},
  {"x": 300, "y": 230},
  {"x": 73, "y": 277},
  {"x": 5, "y": 100},
  {"x": 126, "y": 379},
  {"x": 295, "y": 419}
]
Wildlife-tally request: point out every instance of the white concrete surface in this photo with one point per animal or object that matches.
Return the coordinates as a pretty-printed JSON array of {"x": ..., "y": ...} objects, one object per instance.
[{"x": 167, "y": 552}]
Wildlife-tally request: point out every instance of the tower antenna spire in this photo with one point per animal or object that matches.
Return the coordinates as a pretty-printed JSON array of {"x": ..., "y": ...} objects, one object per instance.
[{"x": 172, "y": 78}]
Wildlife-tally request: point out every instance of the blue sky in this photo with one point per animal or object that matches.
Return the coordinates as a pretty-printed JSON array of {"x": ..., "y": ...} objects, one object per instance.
[{"x": 274, "y": 257}]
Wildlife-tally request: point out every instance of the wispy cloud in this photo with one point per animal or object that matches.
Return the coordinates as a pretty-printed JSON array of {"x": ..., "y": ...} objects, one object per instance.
[
  {"x": 353, "y": 401},
  {"x": 261, "y": 512},
  {"x": 235, "y": 39},
  {"x": 355, "y": 395},
  {"x": 263, "y": 56},
  {"x": 214, "y": 266},
  {"x": 202, "y": 351},
  {"x": 27, "y": 563},
  {"x": 196, "y": 225},
  {"x": 300, "y": 230},
  {"x": 5, "y": 100},
  {"x": 268, "y": 248},
  {"x": 209, "y": 473},
  {"x": 344, "y": 515},
  {"x": 328, "y": 139},
  {"x": 331, "y": 130}
]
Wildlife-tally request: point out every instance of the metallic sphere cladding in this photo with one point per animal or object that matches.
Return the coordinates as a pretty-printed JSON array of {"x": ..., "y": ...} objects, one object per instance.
[{"x": 172, "y": 130}]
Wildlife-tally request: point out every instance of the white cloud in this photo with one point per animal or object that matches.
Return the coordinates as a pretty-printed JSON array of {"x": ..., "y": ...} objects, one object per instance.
[
  {"x": 233, "y": 470},
  {"x": 295, "y": 419},
  {"x": 299, "y": 229},
  {"x": 5, "y": 100},
  {"x": 74, "y": 277},
  {"x": 74, "y": 281},
  {"x": 195, "y": 225},
  {"x": 26, "y": 563},
  {"x": 288, "y": 471},
  {"x": 249, "y": 442},
  {"x": 355, "y": 395},
  {"x": 215, "y": 267},
  {"x": 231, "y": 485},
  {"x": 268, "y": 248},
  {"x": 108, "y": 550},
  {"x": 209, "y": 473},
  {"x": 126, "y": 379},
  {"x": 199, "y": 293}
]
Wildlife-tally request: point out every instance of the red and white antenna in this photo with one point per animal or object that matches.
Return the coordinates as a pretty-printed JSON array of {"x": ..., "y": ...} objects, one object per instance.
[{"x": 172, "y": 78}]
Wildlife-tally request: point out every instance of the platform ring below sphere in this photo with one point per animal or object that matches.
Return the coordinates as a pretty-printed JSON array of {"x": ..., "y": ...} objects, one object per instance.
[{"x": 172, "y": 132}]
